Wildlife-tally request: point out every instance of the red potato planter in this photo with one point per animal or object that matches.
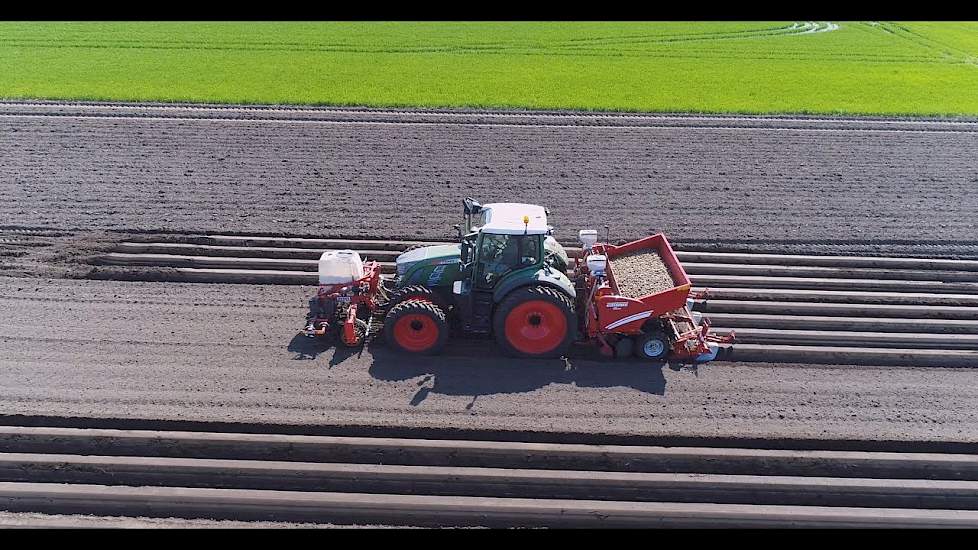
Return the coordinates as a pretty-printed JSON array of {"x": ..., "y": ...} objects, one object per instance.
[{"x": 657, "y": 325}]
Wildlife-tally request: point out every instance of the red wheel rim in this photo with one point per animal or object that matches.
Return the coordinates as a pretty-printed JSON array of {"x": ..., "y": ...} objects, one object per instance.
[
  {"x": 416, "y": 332},
  {"x": 536, "y": 327}
]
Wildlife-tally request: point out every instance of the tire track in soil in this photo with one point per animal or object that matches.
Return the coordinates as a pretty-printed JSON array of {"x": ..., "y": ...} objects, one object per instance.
[{"x": 755, "y": 185}]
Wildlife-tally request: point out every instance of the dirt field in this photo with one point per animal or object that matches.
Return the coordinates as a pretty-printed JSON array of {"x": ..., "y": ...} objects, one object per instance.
[
  {"x": 229, "y": 353},
  {"x": 21, "y": 520},
  {"x": 794, "y": 184}
]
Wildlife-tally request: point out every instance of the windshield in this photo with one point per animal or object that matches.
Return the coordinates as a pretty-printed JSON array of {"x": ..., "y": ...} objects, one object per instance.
[{"x": 500, "y": 254}]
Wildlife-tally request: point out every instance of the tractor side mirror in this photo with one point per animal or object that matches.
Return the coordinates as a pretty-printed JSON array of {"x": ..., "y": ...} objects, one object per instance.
[
  {"x": 471, "y": 206},
  {"x": 465, "y": 253}
]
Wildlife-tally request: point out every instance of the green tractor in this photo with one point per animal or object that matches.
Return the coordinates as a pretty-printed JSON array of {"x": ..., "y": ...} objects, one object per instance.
[{"x": 506, "y": 277}]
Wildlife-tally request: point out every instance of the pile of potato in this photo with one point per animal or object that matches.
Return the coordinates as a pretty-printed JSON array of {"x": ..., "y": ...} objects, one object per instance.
[{"x": 641, "y": 273}]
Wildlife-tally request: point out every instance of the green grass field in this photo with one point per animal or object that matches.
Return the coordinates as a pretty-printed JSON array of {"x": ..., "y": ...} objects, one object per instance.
[{"x": 761, "y": 67}]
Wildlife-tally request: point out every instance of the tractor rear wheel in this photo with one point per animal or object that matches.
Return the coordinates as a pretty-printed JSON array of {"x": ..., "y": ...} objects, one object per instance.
[
  {"x": 535, "y": 321},
  {"x": 416, "y": 326},
  {"x": 652, "y": 345}
]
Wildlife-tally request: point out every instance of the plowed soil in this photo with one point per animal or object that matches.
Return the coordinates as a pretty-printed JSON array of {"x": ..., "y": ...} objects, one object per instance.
[
  {"x": 348, "y": 173},
  {"x": 88, "y": 175},
  {"x": 230, "y": 353}
]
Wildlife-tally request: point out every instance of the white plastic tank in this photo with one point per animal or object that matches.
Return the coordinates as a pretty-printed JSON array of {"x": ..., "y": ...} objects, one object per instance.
[
  {"x": 339, "y": 266},
  {"x": 588, "y": 237},
  {"x": 597, "y": 263}
]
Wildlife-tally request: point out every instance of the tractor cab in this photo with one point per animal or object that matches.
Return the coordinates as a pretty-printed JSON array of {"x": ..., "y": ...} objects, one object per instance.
[
  {"x": 508, "y": 237},
  {"x": 506, "y": 246},
  {"x": 500, "y": 254}
]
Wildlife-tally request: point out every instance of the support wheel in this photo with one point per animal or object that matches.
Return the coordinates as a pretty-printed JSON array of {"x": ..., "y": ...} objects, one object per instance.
[
  {"x": 652, "y": 346},
  {"x": 417, "y": 327},
  {"x": 535, "y": 321},
  {"x": 359, "y": 332}
]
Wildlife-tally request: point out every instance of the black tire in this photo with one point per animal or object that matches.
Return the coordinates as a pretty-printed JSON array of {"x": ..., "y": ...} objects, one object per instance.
[
  {"x": 652, "y": 346},
  {"x": 414, "y": 292},
  {"x": 520, "y": 296},
  {"x": 417, "y": 331},
  {"x": 359, "y": 329}
]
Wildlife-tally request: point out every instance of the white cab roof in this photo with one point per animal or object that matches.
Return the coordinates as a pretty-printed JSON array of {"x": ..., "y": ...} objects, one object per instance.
[{"x": 507, "y": 218}]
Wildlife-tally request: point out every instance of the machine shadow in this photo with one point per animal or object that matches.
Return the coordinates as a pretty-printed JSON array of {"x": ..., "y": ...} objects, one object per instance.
[
  {"x": 480, "y": 368},
  {"x": 307, "y": 349}
]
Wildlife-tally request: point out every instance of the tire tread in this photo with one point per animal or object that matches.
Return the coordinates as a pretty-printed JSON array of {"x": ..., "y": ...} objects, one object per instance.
[{"x": 422, "y": 307}]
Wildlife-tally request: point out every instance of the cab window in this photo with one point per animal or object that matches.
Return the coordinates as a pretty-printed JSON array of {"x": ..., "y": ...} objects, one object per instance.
[
  {"x": 500, "y": 254},
  {"x": 529, "y": 250}
]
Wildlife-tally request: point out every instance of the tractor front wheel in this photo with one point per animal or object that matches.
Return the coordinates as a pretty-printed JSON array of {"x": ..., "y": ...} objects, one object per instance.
[
  {"x": 417, "y": 327},
  {"x": 535, "y": 321}
]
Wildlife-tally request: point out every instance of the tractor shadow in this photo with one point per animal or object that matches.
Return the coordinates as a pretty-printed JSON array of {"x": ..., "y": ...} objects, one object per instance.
[
  {"x": 480, "y": 368},
  {"x": 309, "y": 349}
]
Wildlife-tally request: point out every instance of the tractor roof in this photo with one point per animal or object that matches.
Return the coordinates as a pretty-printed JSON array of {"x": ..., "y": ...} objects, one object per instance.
[{"x": 507, "y": 218}]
